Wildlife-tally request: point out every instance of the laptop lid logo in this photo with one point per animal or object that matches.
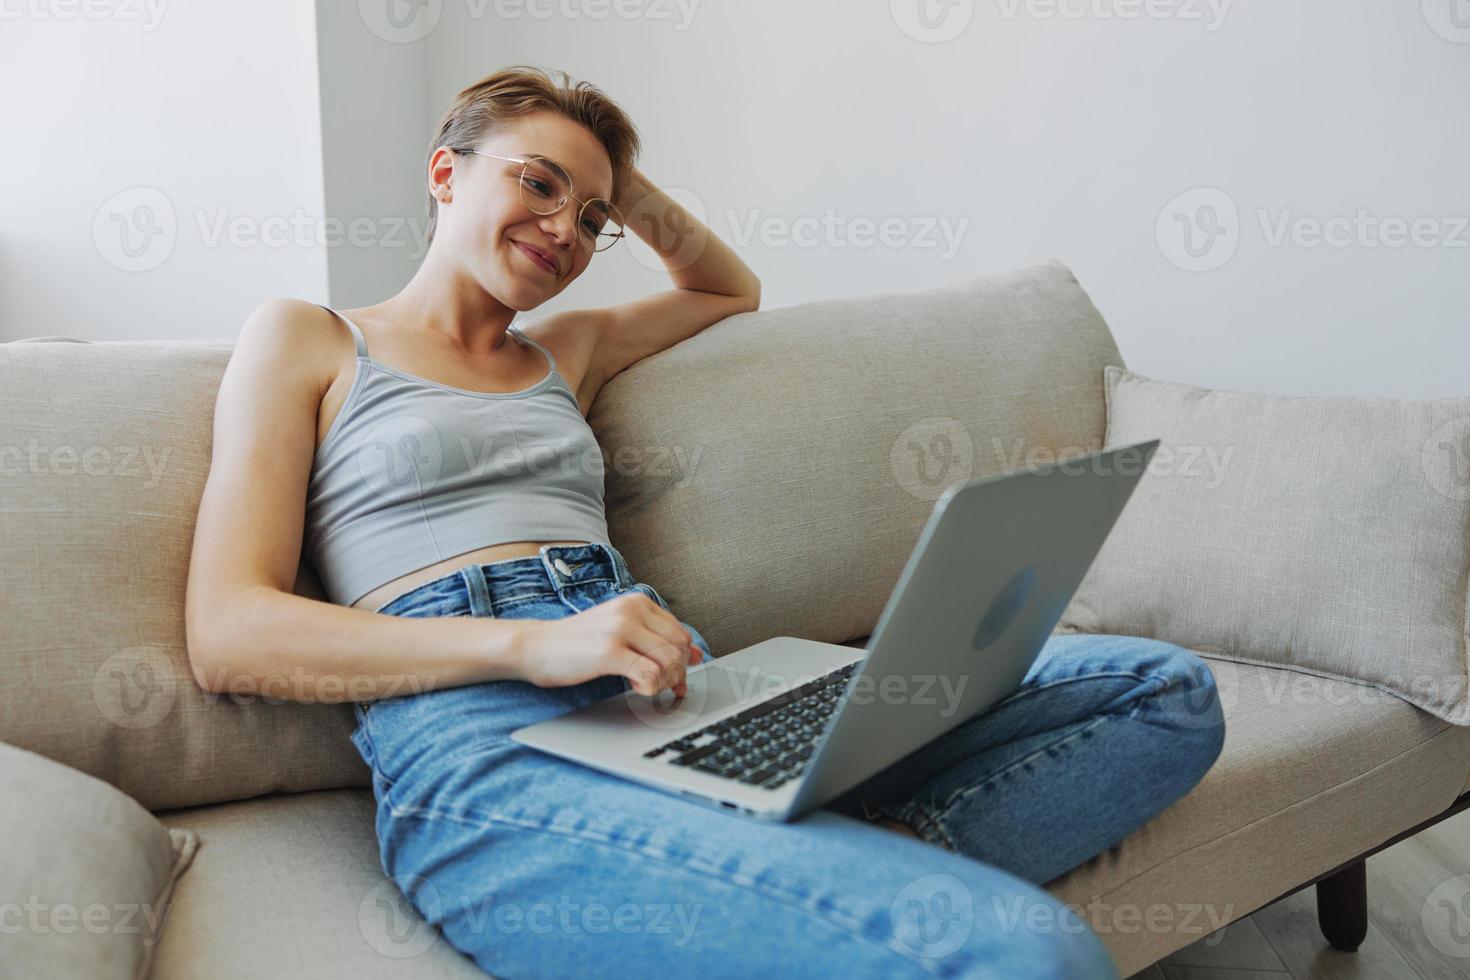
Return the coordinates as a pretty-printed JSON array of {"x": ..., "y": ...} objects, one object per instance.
[{"x": 1005, "y": 608}]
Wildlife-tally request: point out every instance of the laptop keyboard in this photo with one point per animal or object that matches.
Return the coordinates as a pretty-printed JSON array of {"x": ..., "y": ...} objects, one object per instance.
[{"x": 767, "y": 744}]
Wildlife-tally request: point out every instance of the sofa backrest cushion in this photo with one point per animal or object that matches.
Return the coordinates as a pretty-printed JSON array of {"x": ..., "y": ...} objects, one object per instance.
[
  {"x": 769, "y": 476},
  {"x": 1326, "y": 535},
  {"x": 104, "y": 449}
]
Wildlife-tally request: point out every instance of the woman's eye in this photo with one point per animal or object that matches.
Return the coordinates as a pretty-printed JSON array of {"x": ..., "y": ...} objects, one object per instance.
[{"x": 539, "y": 186}]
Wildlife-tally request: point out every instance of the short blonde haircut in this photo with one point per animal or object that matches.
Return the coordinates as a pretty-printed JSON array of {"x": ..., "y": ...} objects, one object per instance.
[{"x": 487, "y": 106}]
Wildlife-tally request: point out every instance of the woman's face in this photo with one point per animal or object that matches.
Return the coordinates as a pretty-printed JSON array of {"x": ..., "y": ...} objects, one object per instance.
[{"x": 488, "y": 228}]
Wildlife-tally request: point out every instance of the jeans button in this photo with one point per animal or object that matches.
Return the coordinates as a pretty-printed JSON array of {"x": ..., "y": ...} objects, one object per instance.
[{"x": 562, "y": 566}]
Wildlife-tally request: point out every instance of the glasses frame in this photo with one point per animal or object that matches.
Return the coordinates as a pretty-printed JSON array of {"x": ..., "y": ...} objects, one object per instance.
[{"x": 526, "y": 162}]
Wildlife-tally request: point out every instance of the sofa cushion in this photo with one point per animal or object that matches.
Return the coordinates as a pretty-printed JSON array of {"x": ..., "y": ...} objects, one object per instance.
[
  {"x": 86, "y": 874},
  {"x": 771, "y": 475},
  {"x": 290, "y": 885},
  {"x": 104, "y": 449},
  {"x": 1323, "y": 534},
  {"x": 1313, "y": 772}
]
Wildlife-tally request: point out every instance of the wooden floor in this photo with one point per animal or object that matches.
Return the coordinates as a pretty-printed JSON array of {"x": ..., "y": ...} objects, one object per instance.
[{"x": 1283, "y": 942}]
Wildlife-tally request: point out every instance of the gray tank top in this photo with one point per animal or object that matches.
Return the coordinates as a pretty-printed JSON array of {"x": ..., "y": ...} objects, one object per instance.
[{"x": 413, "y": 472}]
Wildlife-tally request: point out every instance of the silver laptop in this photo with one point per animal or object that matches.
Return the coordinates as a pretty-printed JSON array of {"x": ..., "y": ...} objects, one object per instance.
[{"x": 787, "y": 724}]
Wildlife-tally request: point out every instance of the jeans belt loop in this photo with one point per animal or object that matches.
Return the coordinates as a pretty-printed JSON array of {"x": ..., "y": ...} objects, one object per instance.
[
  {"x": 478, "y": 590},
  {"x": 620, "y": 567}
]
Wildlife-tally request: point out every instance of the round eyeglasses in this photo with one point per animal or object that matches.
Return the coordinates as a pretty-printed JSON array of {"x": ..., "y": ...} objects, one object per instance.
[{"x": 546, "y": 187}]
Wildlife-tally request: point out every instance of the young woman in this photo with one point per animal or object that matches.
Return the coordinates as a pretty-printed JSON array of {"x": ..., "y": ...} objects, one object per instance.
[{"x": 474, "y": 590}]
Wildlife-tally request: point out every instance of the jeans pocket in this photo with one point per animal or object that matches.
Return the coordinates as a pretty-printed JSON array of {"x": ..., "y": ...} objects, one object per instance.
[
  {"x": 362, "y": 739},
  {"x": 649, "y": 591}
]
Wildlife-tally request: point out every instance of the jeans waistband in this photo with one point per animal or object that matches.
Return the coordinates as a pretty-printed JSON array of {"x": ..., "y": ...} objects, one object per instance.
[{"x": 552, "y": 568}]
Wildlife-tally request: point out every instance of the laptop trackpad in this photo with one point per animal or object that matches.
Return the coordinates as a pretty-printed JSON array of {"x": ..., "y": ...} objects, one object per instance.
[{"x": 713, "y": 691}]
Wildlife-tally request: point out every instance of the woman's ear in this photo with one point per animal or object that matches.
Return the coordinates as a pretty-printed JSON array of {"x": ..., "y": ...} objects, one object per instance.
[{"x": 441, "y": 175}]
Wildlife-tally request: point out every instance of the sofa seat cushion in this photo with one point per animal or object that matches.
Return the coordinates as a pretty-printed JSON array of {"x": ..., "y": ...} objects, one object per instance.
[
  {"x": 1313, "y": 772},
  {"x": 289, "y": 885}
]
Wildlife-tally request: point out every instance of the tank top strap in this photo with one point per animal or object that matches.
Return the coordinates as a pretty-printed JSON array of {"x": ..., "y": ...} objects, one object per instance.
[
  {"x": 357, "y": 336},
  {"x": 522, "y": 335}
]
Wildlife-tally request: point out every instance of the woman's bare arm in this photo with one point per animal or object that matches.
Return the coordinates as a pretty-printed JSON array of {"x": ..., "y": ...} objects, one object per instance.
[{"x": 246, "y": 632}]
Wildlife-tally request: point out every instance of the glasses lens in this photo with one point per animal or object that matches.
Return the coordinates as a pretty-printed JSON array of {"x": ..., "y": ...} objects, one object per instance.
[
  {"x": 544, "y": 185},
  {"x": 600, "y": 225}
]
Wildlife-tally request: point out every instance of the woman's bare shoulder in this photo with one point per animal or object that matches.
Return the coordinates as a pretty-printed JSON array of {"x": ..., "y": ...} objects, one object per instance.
[{"x": 297, "y": 336}]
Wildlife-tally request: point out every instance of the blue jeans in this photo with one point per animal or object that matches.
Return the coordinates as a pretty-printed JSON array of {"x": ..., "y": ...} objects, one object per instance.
[{"x": 534, "y": 866}]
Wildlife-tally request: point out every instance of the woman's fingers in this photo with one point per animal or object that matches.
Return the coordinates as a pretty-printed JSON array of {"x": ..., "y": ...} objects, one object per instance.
[
  {"x": 665, "y": 629},
  {"x": 645, "y": 675},
  {"x": 658, "y": 648},
  {"x": 664, "y": 623},
  {"x": 668, "y": 658}
]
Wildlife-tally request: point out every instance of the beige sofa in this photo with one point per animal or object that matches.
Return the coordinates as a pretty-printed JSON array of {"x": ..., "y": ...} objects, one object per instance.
[{"x": 761, "y": 477}]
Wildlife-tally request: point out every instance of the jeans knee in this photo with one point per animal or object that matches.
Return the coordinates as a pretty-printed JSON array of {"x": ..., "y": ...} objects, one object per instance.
[
  {"x": 1189, "y": 703},
  {"x": 977, "y": 921},
  {"x": 1048, "y": 940}
]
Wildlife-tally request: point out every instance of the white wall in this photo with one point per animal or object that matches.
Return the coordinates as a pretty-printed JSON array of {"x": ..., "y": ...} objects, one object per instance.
[
  {"x": 1053, "y": 134},
  {"x": 376, "y": 123},
  {"x": 1042, "y": 128},
  {"x": 128, "y": 135}
]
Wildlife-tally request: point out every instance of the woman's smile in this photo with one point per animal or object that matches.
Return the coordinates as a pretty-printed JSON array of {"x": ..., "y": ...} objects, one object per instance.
[{"x": 540, "y": 258}]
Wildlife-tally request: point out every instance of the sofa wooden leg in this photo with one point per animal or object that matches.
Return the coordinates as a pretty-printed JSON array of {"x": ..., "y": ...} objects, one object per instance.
[{"x": 1342, "y": 907}]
